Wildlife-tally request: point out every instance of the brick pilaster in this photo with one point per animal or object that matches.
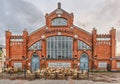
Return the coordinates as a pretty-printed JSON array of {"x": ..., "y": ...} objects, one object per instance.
[
  {"x": 113, "y": 48},
  {"x": 8, "y": 35}
]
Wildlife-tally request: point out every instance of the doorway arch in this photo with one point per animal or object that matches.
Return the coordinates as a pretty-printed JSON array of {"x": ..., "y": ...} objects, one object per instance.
[
  {"x": 84, "y": 62},
  {"x": 35, "y": 62}
]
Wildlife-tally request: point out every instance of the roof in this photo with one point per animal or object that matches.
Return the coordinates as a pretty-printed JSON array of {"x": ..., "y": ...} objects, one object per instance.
[
  {"x": 82, "y": 29},
  {"x": 59, "y": 10}
]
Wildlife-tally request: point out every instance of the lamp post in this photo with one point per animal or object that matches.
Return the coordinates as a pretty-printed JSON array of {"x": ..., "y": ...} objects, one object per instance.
[
  {"x": 4, "y": 66},
  {"x": 10, "y": 69},
  {"x": 88, "y": 68},
  {"x": 24, "y": 58},
  {"x": 95, "y": 59},
  {"x": 43, "y": 61},
  {"x": 109, "y": 65}
]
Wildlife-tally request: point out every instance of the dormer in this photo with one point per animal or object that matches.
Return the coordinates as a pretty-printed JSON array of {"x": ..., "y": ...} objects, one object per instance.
[{"x": 59, "y": 18}]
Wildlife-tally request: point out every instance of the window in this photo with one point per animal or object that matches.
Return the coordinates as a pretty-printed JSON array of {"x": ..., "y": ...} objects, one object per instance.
[
  {"x": 59, "y": 22},
  {"x": 59, "y": 47},
  {"x": 36, "y": 46},
  {"x": 82, "y": 45}
]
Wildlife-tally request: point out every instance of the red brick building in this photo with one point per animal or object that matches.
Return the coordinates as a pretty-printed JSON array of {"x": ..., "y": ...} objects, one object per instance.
[{"x": 62, "y": 44}]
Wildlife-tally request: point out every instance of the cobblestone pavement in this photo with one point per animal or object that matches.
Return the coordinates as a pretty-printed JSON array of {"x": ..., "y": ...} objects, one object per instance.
[
  {"x": 52, "y": 82},
  {"x": 94, "y": 78}
]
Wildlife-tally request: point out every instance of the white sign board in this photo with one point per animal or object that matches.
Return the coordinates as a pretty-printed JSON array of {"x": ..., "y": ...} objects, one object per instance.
[
  {"x": 59, "y": 64},
  {"x": 118, "y": 64},
  {"x": 17, "y": 65},
  {"x": 102, "y": 64}
]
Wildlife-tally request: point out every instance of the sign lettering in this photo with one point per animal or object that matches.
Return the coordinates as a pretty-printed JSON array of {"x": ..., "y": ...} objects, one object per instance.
[
  {"x": 17, "y": 65},
  {"x": 59, "y": 64},
  {"x": 102, "y": 64}
]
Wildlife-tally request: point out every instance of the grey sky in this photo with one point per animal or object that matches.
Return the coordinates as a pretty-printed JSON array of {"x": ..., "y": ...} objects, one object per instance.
[{"x": 19, "y": 14}]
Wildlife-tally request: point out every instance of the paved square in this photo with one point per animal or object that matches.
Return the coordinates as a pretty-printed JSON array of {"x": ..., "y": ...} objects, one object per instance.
[
  {"x": 94, "y": 78},
  {"x": 52, "y": 82}
]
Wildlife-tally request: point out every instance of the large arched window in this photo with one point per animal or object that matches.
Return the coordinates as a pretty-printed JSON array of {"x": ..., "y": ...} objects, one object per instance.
[
  {"x": 59, "y": 22},
  {"x": 59, "y": 47},
  {"x": 36, "y": 46},
  {"x": 83, "y": 46}
]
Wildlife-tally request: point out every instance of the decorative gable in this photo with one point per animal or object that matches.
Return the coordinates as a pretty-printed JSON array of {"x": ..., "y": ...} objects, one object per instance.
[{"x": 59, "y": 18}]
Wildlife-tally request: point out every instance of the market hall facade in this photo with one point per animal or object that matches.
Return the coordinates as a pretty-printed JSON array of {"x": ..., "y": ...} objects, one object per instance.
[{"x": 62, "y": 44}]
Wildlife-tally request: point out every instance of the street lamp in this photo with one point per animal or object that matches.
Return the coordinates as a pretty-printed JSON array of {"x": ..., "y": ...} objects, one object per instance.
[
  {"x": 10, "y": 71},
  {"x": 4, "y": 66},
  {"x": 24, "y": 58},
  {"x": 95, "y": 59},
  {"x": 88, "y": 69},
  {"x": 43, "y": 61},
  {"x": 109, "y": 65}
]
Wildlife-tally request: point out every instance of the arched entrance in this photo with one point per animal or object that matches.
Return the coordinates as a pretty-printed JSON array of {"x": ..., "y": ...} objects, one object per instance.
[
  {"x": 84, "y": 62},
  {"x": 35, "y": 62}
]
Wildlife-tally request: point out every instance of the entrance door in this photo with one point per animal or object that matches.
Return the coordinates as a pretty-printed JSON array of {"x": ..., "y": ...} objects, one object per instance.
[
  {"x": 35, "y": 62},
  {"x": 84, "y": 62}
]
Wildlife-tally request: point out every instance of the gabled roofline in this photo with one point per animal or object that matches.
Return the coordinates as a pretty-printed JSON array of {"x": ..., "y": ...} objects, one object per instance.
[
  {"x": 82, "y": 29},
  {"x": 59, "y": 8},
  {"x": 56, "y": 10},
  {"x": 37, "y": 30}
]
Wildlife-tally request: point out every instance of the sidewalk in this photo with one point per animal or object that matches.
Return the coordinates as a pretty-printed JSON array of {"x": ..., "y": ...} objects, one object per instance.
[
  {"x": 52, "y": 82},
  {"x": 94, "y": 78}
]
